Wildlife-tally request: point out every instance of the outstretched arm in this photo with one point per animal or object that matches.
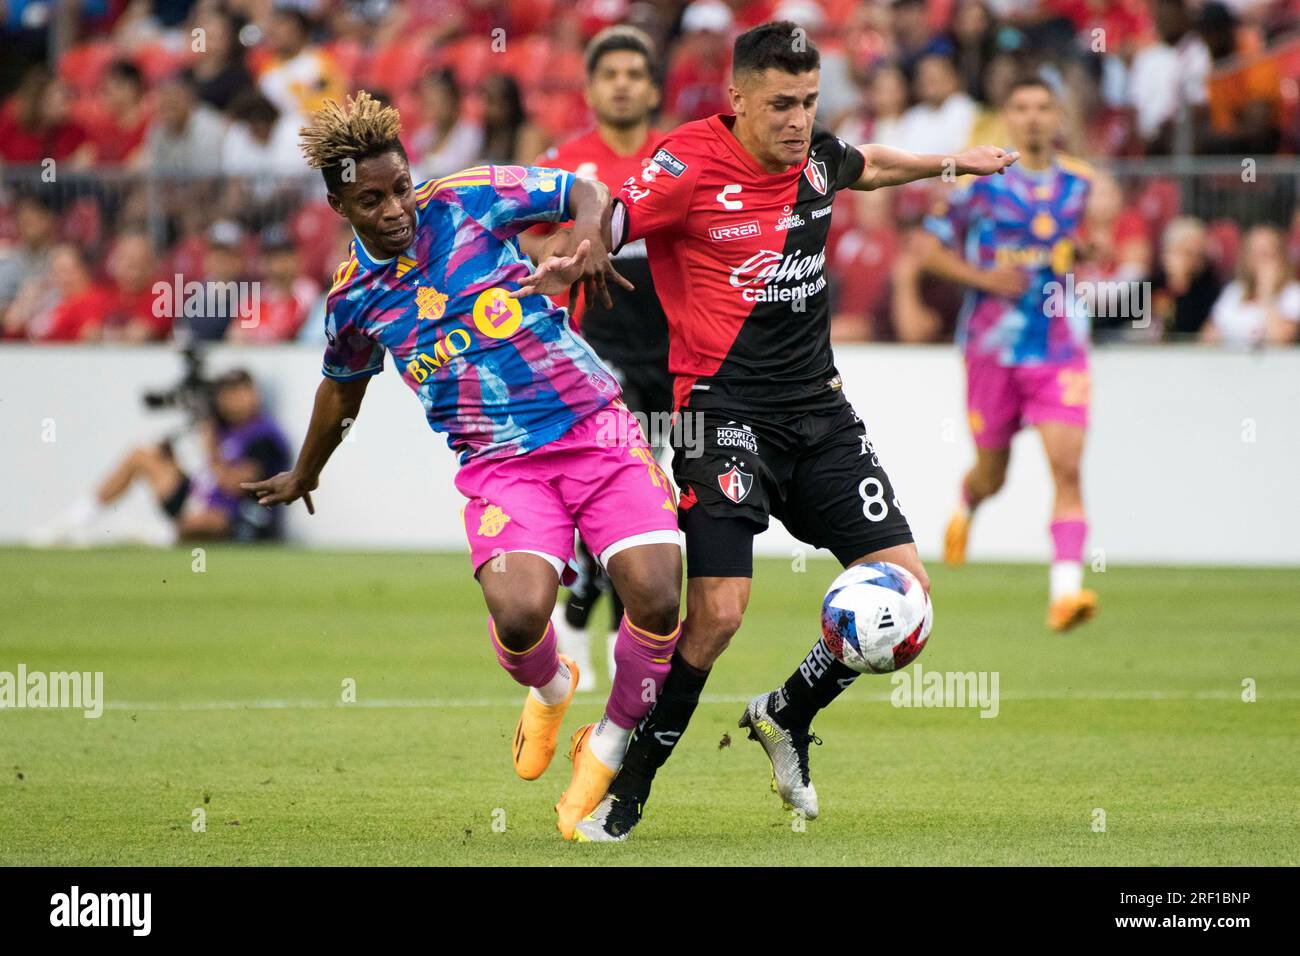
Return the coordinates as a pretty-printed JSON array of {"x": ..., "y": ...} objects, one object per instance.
[
  {"x": 887, "y": 166},
  {"x": 558, "y": 261},
  {"x": 337, "y": 405}
]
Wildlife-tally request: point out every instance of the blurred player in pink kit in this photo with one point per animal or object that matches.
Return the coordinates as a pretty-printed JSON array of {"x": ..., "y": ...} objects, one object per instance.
[
  {"x": 1024, "y": 335},
  {"x": 436, "y": 280}
]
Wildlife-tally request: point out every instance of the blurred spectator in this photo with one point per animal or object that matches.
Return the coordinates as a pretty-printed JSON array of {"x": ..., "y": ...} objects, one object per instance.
[
  {"x": 974, "y": 40},
  {"x": 185, "y": 135},
  {"x": 942, "y": 120},
  {"x": 1184, "y": 286},
  {"x": 130, "y": 316},
  {"x": 1262, "y": 305},
  {"x": 241, "y": 443},
  {"x": 508, "y": 135},
  {"x": 29, "y": 257},
  {"x": 118, "y": 139},
  {"x": 224, "y": 268},
  {"x": 66, "y": 305},
  {"x": 35, "y": 125},
  {"x": 1167, "y": 81},
  {"x": 989, "y": 129},
  {"x": 1244, "y": 91},
  {"x": 914, "y": 39},
  {"x": 1114, "y": 235},
  {"x": 860, "y": 262},
  {"x": 699, "y": 67},
  {"x": 260, "y": 139},
  {"x": 1115, "y": 249},
  {"x": 881, "y": 119},
  {"x": 286, "y": 296},
  {"x": 219, "y": 71},
  {"x": 301, "y": 76},
  {"x": 443, "y": 139}
]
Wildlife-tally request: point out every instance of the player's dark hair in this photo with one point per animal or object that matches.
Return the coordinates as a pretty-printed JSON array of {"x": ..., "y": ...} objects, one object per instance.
[
  {"x": 781, "y": 45},
  {"x": 1030, "y": 81},
  {"x": 614, "y": 39},
  {"x": 362, "y": 129}
]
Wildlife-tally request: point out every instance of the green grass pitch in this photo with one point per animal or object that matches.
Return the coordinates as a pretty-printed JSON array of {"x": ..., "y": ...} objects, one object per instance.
[{"x": 223, "y": 694}]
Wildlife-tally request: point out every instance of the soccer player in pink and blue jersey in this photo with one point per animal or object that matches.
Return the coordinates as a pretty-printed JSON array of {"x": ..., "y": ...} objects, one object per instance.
[
  {"x": 436, "y": 279},
  {"x": 1025, "y": 344}
]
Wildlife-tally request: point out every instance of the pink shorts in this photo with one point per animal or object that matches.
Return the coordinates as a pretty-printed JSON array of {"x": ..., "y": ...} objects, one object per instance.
[
  {"x": 1002, "y": 398},
  {"x": 600, "y": 477}
]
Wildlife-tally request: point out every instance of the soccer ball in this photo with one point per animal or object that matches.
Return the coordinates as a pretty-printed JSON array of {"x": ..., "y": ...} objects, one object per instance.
[{"x": 876, "y": 617}]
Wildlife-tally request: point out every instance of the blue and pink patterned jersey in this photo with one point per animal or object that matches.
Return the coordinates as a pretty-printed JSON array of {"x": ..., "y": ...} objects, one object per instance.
[
  {"x": 1028, "y": 220},
  {"x": 499, "y": 376}
]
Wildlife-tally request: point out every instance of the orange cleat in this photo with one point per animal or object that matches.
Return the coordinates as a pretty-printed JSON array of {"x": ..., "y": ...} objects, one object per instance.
[
  {"x": 954, "y": 538},
  {"x": 591, "y": 780},
  {"x": 538, "y": 729},
  {"x": 1065, "y": 612}
]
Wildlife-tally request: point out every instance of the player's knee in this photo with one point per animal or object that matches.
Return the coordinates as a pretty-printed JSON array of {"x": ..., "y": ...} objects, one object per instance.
[
  {"x": 1066, "y": 474},
  {"x": 519, "y": 628},
  {"x": 656, "y": 609},
  {"x": 720, "y": 621}
]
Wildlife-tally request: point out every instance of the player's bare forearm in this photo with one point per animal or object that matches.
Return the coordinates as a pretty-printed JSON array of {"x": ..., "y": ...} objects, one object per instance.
[
  {"x": 579, "y": 255},
  {"x": 335, "y": 408},
  {"x": 938, "y": 260},
  {"x": 590, "y": 208},
  {"x": 887, "y": 166}
]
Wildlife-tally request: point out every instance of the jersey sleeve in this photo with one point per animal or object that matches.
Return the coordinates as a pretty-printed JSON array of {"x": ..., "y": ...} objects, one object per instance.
[
  {"x": 506, "y": 200},
  {"x": 550, "y": 159},
  {"x": 850, "y": 165},
  {"x": 349, "y": 353},
  {"x": 658, "y": 198},
  {"x": 951, "y": 216}
]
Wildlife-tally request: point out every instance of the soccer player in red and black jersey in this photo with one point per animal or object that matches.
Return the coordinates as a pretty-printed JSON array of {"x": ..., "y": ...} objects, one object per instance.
[
  {"x": 735, "y": 210},
  {"x": 632, "y": 335}
]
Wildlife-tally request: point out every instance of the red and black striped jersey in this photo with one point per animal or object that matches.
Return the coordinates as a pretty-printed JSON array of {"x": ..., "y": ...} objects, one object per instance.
[{"x": 738, "y": 256}]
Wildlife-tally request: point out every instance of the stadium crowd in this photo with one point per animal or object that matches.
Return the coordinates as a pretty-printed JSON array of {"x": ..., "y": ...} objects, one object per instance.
[{"x": 150, "y": 140}]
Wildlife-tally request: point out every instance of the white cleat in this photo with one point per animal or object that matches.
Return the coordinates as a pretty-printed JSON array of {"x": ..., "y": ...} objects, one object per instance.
[
  {"x": 611, "y": 821},
  {"x": 788, "y": 751},
  {"x": 576, "y": 644}
]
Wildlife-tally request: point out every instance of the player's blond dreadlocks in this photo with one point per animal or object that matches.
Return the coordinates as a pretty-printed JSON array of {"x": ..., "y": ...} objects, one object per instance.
[{"x": 361, "y": 129}]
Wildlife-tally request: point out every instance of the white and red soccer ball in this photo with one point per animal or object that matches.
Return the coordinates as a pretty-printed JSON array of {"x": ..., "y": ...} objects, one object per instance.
[{"x": 876, "y": 617}]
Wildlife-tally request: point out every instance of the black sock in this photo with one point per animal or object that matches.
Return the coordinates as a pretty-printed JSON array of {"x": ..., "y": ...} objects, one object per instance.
[
  {"x": 817, "y": 681},
  {"x": 585, "y": 591},
  {"x": 653, "y": 740}
]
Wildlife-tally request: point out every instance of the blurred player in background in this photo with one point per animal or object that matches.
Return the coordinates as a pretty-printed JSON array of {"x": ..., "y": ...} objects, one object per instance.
[
  {"x": 632, "y": 336},
  {"x": 436, "y": 279},
  {"x": 735, "y": 211},
  {"x": 1024, "y": 336}
]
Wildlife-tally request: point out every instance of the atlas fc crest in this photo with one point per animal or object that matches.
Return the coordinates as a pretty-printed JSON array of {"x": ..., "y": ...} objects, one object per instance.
[{"x": 736, "y": 484}]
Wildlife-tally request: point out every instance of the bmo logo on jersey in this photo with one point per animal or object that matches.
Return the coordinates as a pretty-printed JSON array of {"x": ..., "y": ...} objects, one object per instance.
[{"x": 769, "y": 276}]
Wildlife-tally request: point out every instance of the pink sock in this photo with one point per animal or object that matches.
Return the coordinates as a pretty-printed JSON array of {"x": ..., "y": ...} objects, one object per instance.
[
  {"x": 641, "y": 659},
  {"x": 533, "y": 667},
  {"x": 1067, "y": 539}
]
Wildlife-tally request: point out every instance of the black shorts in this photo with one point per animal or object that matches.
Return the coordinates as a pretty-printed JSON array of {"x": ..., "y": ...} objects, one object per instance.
[{"x": 816, "y": 471}]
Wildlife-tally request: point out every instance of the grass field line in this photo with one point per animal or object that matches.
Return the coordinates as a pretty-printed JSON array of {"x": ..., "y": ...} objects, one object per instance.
[{"x": 461, "y": 703}]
